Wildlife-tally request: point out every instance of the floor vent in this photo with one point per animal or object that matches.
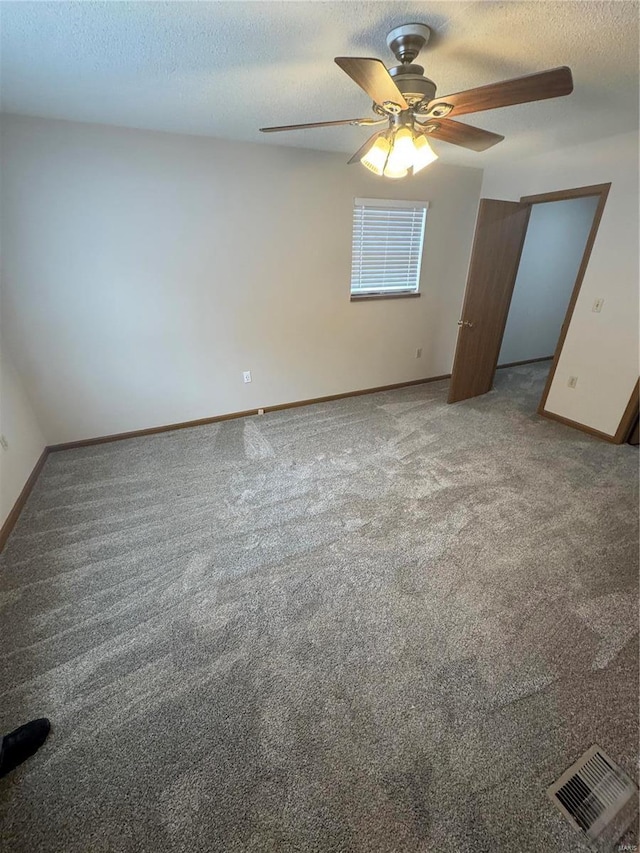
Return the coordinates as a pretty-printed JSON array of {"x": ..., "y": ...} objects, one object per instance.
[{"x": 597, "y": 797}]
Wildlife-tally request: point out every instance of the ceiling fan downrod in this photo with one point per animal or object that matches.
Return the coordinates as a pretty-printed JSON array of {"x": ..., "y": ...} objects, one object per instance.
[{"x": 406, "y": 42}]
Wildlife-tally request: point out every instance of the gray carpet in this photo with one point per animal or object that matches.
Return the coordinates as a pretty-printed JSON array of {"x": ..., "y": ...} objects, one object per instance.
[{"x": 377, "y": 624}]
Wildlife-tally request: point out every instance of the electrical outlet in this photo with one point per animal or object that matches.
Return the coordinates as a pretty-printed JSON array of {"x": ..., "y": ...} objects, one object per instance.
[
  {"x": 261, "y": 411},
  {"x": 419, "y": 352},
  {"x": 4, "y": 444},
  {"x": 573, "y": 381},
  {"x": 597, "y": 306},
  {"x": 246, "y": 376}
]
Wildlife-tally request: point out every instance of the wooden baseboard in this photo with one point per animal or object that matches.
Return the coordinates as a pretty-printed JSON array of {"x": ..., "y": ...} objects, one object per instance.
[
  {"x": 629, "y": 417},
  {"x": 11, "y": 519},
  {"x": 121, "y": 436},
  {"x": 139, "y": 433},
  {"x": 624, "y": 427},
  {"x": 568, "y": 422},
  {"x": 526, "y": 361},
  {"x": 14, "y": 514},
  {"x": 361, "y": 393}
]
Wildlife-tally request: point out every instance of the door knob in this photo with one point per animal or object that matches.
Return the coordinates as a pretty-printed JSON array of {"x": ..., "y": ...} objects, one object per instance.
[{"x": 465, "y": 323}]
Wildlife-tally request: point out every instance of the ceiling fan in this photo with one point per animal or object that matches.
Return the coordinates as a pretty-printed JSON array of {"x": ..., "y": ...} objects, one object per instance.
[{"x": 405, "y": 101}]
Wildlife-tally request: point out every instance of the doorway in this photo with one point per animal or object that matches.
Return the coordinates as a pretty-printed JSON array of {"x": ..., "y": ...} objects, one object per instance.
[
  {"x": 552, "y": 253},
  {"x": 497, "y": 255}
]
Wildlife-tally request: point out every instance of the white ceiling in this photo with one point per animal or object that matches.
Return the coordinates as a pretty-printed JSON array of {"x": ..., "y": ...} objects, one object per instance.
[{"x": 226, "y": 68}]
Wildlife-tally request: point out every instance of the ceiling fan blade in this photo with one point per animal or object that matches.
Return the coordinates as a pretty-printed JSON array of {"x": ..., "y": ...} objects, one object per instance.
[
  {"x": 372, "y": 76},
  {"x": 521, "y": 90},
  {"x": 364, "y": 148},
  {"x": 355, "y": 121},
  {"x": 465, "y": 135}
]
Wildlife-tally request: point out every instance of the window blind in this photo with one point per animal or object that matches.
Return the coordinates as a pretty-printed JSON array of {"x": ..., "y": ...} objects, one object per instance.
[{"x": 387, "y": 245}]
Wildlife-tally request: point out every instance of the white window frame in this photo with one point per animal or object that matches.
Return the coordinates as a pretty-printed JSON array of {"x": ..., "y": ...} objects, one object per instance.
[{"x": 360, "y": 290}]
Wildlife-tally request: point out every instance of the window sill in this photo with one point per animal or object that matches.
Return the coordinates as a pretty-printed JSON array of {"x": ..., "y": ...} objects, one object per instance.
[{"x": 365, "y": 297}]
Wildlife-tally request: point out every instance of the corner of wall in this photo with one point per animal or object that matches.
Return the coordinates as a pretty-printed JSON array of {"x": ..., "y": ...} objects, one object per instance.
[{"x": 24, "y": 438}]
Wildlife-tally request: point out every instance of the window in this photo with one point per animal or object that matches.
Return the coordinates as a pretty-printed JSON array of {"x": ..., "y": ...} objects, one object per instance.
[{"x": 387, "y": 246}]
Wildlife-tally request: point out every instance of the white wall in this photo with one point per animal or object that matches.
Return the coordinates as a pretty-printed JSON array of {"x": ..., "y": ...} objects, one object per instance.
[
  {"x": 24, "y": 438},
  {"x": 600, "y": 349},
  {"x": 551, "y": 256},
  {"x": 145, "y": 271}
]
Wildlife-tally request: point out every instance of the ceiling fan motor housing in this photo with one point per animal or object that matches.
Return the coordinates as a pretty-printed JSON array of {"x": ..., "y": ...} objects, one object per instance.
[
  {"x": 413, "y": 84},
  {"x": 406, "y": 42}
]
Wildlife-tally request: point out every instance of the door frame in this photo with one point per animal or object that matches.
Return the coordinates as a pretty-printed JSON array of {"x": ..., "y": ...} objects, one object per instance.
[
  {"x": 632, "y": 410},
  {"x": 633, "y": 406},
  {"x": 601, "y": 190}
]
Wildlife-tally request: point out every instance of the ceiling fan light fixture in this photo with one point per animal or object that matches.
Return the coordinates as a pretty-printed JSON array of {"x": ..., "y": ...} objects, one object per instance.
[
  {"x": 424, "y": 153},
  {"x": 389, "y": 173},
  {"x": 376, "y": 157},
  {"x": 395, "y": 169},
  {"x": 403, "y": 151}
]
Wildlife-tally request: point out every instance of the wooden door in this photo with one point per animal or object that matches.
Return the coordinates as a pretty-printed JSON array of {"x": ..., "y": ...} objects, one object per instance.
[{"x": 500, "y": 230}]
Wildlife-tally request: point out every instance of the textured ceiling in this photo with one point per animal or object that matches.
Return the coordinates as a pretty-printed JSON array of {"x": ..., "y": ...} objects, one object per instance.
[{"x": 226, "y": 68}]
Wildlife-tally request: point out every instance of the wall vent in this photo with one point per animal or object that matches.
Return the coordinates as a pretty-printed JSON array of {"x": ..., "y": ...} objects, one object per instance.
[{"x": 597, "y": 797}]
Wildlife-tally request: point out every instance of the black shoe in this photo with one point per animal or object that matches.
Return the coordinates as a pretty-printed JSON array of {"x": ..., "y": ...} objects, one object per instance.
[{"x": 22, "y": 743}]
